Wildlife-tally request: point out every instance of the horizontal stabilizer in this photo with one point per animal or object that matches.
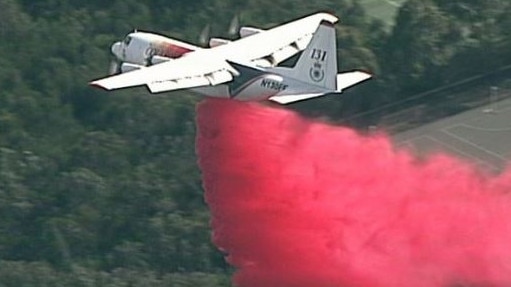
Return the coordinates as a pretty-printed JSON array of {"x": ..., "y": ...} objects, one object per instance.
[
  {"x": 286, "y": 99},
  {"x": 348, "y": 79}
]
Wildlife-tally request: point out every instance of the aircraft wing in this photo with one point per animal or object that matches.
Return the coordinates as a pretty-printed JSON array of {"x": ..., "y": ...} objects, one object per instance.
[
  {"x": 270, "y": 47},
  {"x": 193, "y": 70}
]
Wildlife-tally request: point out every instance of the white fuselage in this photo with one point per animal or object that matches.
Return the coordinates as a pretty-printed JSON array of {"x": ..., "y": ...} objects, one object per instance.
[
  {"x": 259, "y": 88},
  {"x": 139, "y": 49}
]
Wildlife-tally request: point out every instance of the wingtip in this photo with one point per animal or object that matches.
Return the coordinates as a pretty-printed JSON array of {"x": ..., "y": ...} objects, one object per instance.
[
  {"x": 367, "y": 73},
  {"x": 96, "y": 84}
]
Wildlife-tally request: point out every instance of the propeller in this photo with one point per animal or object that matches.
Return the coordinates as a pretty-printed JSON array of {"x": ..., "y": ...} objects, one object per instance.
[
  {"x": 115, "y": 58},
  {"x": 115, "y": 67},
  {"x": 205, "y": 35},
  {"x": 234, "y": 26}
]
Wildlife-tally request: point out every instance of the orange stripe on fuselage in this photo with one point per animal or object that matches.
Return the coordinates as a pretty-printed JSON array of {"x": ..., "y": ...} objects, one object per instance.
[{"x": 171, "y": 50}]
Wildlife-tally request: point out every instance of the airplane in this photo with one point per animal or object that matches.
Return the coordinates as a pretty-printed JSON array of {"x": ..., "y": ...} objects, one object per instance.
[{"x": 245, "y": 69}]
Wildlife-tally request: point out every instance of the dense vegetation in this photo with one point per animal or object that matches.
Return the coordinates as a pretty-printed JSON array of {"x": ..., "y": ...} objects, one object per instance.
[{"x": 101, "y": 189}]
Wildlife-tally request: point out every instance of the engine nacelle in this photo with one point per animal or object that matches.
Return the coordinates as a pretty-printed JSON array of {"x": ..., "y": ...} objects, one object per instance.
[
  {"x": 214, "y": 42},
  {"x": 128, "y": 67},
  {"x": 159, "y": 59},
  {"x": 249, "y": 31}
]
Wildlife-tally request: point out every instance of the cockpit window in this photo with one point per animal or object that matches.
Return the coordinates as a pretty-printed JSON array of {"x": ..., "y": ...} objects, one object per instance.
[{"x": 127, "y": 40}]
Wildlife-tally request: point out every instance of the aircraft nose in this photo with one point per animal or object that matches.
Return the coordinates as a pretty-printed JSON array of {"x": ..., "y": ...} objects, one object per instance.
[{"x": 117, "y": 50}]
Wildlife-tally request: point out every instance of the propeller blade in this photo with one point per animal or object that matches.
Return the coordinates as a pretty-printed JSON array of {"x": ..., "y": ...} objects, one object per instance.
[
  {"x": 205, "y": 35},
  {"x": 234, "y": 26},
  {"x": 115, "y": 68}
]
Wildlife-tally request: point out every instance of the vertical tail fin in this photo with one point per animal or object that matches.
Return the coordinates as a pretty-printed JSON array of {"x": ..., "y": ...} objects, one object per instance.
[{"x": 318, "y": 63}]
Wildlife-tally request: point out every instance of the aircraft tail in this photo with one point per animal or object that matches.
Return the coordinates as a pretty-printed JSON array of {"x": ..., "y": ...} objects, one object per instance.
[{"x": 318, "y": 63}]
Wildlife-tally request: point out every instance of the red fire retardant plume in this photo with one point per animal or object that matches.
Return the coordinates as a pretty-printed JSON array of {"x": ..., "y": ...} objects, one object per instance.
[{"x": 300, "y": 203}]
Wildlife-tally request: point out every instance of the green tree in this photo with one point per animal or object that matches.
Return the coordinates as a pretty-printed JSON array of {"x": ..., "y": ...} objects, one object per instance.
[{"x": 422, "y": 41}]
